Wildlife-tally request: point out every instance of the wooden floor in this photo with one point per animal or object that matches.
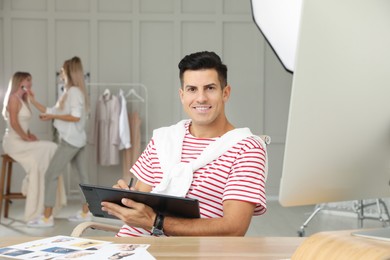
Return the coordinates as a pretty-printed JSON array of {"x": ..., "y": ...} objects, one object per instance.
[{"x": 278, "y": 221}]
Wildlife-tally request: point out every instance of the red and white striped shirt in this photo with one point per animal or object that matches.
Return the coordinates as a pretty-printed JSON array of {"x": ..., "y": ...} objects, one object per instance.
[{"x": 238, "y": 174}]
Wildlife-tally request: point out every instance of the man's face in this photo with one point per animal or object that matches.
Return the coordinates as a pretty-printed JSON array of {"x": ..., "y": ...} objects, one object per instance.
[{"x": 203, "y": 98}]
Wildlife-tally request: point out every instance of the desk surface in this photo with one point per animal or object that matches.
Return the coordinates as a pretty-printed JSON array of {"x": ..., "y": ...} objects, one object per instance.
[
  {"x": 323, "y": 245},
  {"x": 203, "y": 247}
]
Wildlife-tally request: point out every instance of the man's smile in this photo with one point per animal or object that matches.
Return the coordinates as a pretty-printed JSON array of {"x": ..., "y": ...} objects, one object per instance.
[{"x": 202, "y": 108}]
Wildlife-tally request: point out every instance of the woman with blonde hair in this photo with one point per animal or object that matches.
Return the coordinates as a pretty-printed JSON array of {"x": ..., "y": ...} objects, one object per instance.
[
  {"x": 69, "y": 116},
  {"x": 25, "y": 148}
]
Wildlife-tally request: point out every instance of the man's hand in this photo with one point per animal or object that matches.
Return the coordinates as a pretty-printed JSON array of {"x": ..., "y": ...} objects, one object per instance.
[
  {"x": 121, "y": 184},
  {"x": 133, "y": 214}
]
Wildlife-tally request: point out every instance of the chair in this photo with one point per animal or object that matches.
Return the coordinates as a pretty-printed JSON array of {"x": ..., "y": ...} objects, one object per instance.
[
  {"x": 82, "y": 227},
  {"x": 5, "y": 193}
]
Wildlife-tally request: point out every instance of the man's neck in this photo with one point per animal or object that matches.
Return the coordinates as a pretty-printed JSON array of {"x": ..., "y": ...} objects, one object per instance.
[{"x": 211, "y": 130}]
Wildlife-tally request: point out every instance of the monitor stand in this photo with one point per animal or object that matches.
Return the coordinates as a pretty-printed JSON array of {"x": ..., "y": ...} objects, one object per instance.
[{"x": 378, "y": 234}]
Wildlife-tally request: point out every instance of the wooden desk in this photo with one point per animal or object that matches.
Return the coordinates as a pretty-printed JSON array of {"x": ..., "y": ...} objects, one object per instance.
[
  {"x": 323, "y": 245},
  {"x": 203, "y": 247},
  {"x": 341, "y": 245}
]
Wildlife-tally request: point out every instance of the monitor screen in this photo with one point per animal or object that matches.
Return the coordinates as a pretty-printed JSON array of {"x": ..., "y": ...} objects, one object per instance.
[{"x": 338, "y": 135}]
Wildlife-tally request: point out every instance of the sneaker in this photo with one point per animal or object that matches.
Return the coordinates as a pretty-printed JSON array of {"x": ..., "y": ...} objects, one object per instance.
[
  {"x": 81, "y": 216},
  {"x": 41, "y": 221}
]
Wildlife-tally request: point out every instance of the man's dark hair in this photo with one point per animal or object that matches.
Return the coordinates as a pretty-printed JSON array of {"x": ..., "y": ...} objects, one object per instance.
[{"x": 204, "y": 60}]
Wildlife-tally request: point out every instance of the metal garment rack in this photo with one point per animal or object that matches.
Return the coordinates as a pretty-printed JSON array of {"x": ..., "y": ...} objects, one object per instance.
[
  {"x": 133, "y": 92},
  {"x": 358, "y": 208}
]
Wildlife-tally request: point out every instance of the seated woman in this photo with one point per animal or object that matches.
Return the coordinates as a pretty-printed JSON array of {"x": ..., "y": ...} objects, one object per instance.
[{"x": 25, "y": 148}]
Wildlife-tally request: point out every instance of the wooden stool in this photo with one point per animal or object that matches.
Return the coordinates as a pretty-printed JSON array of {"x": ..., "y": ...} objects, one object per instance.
[{"x": 6, "y": 172}]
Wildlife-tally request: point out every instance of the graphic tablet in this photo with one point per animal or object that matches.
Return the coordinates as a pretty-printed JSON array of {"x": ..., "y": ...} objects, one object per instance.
[{"x": 167, "y": 205}]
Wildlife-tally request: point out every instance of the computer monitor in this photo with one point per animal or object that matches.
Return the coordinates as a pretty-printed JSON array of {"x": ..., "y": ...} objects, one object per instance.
[{"x": 338, "y": 134}]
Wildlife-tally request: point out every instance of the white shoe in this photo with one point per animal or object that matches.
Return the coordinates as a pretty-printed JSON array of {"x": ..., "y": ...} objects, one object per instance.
[
  {"x": 81, "y": 216},
  {"x": 41, "y": 221}
]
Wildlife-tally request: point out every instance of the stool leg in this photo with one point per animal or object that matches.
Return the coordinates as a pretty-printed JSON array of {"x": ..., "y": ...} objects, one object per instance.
[
  {"x": 2, "y": 179},
  {"x": 8, "y": 191}
]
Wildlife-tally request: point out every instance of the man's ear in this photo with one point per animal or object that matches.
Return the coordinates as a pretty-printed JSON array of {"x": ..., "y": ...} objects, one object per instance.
[
  {"x": 226, "y": 93},
  {"x": 181, "y": 94}
]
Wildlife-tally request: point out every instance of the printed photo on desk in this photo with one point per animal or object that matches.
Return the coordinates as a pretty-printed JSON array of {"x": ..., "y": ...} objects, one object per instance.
[{"x": 65, "y": 247}]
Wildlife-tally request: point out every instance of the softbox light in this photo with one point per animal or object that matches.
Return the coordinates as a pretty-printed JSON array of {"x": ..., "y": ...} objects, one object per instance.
[{"x": 278, "y": 21}]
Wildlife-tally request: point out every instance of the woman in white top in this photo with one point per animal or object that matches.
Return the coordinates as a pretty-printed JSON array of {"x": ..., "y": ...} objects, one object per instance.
[
  {"x": 69, "y": 116},
  {"x": 25, "y": 148}
]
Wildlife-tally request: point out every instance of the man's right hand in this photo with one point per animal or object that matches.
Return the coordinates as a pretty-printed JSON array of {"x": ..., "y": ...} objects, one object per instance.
[{"x": 121, "y": 184}]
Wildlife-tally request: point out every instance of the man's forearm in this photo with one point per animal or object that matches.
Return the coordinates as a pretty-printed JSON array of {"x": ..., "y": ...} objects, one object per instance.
[
  {"x": 203, "y": 227},
  {"x": 235, "y": 222}
]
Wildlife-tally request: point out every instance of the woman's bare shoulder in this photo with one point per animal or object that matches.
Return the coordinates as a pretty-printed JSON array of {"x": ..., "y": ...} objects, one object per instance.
[{"x": 14, "y": 101}]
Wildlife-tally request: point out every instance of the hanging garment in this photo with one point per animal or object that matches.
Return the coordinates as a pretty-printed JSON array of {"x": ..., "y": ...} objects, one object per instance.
[
  {"x": 124, "y": 128},
  {"x": 131, "y": 155},
  {"x": 106, "y": 131}
]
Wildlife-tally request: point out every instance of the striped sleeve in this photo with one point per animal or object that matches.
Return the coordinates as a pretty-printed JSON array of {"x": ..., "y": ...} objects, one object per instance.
[
  {"x": 247, "y": 177},
  {"x": 147, "y": 168}
]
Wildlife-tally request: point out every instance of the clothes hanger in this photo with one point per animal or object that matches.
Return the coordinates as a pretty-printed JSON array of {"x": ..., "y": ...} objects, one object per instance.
[
  {"x": 132, "y": 92},
  {"x": 106, "y": 92}
]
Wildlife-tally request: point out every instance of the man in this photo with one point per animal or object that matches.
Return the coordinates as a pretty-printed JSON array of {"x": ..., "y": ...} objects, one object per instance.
[{"x": 221, "y": 166}]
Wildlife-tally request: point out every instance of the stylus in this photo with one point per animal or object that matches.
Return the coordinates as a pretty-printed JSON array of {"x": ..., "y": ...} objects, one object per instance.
[{"x": 131, "y": 182}]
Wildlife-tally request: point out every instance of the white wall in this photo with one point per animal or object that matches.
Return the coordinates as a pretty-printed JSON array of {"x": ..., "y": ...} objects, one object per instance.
[{"x": 123, "y": 41}]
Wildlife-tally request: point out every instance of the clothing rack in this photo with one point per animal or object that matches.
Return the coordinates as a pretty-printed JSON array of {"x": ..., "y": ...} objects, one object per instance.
[{"x": 133, "y": 93}]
